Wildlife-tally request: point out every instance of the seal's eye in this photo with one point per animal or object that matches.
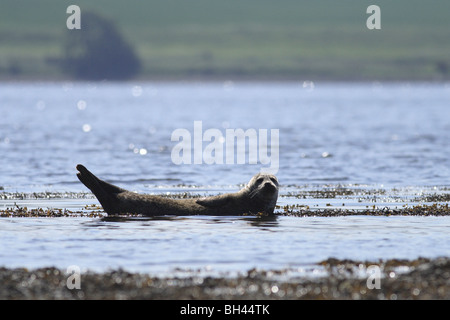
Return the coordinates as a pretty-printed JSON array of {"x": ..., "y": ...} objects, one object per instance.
[
  {"x": 260, "y": 180},
  {"x": 274, "y": 181}
]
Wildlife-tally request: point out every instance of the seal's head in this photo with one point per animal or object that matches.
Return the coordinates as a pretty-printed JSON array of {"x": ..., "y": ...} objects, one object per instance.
[{"x": 263, "y": 189}]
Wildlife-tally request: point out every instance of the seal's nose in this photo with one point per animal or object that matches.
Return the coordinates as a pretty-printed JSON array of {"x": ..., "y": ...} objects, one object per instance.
[{"x": 269, "y": 186}]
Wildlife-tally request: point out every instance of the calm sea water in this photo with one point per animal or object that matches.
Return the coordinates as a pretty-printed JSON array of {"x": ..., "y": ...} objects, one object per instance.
[
  {"x": 216, "y": 244},
  {"x": 394, "y": 135}
]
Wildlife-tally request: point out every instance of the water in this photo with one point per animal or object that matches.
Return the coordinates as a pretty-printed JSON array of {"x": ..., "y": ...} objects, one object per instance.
[
  {"x": 370, "y": 136},
  {"x": 392, "y": 134},
  {"x": 217, "y": 245}
]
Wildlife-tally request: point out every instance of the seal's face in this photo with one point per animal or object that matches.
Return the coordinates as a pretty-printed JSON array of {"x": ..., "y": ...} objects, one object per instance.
[{"x": 263, "y": 187}]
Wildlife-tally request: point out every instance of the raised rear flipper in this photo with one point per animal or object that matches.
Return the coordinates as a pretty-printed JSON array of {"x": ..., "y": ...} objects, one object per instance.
[{"x": 106, "y": 193}]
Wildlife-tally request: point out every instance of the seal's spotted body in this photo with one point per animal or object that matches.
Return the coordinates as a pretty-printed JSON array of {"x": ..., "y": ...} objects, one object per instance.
[{"x": 259, "y": 196}]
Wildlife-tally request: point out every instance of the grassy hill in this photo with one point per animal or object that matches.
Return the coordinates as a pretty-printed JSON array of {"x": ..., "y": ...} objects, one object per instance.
[{"x": 241, "y": 39}]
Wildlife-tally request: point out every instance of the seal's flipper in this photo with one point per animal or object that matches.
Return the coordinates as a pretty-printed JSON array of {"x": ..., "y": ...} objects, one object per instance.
[
  {"x": 214, "y": 202},
  {"x": 85, "y": 173},
  {"x": 105, "y": 192}
]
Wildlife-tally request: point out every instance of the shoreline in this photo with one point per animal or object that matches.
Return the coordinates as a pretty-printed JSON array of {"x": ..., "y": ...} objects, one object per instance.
[
  {"x": 302, "y": 202},
  {"x": 345, "y": 280},
  {"x": 95, "y": 211}
]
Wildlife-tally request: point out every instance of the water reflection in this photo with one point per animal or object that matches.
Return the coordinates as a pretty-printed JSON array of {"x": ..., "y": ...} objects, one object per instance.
[
  {"x": 262, "y": 221},
  {"x": 99, "y": 223},
  {"x": 255, "y": 221},
  {"x": 128, "y": 218}
]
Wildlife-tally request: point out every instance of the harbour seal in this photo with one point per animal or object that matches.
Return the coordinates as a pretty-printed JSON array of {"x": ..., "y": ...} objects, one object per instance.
[{"x": 259, "y": 196}]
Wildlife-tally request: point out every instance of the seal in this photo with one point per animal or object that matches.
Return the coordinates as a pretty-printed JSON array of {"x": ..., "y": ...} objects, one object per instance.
[{"x": 259, "y": 196}]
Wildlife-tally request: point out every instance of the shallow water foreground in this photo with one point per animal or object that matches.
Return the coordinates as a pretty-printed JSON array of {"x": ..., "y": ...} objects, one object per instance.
[
  {"x": 216, "y": 245},
  {"x": 310, "y": 225}
]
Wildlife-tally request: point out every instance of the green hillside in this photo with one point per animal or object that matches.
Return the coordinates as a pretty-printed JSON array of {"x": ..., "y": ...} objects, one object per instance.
[{"x": 241, "y": 39}]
